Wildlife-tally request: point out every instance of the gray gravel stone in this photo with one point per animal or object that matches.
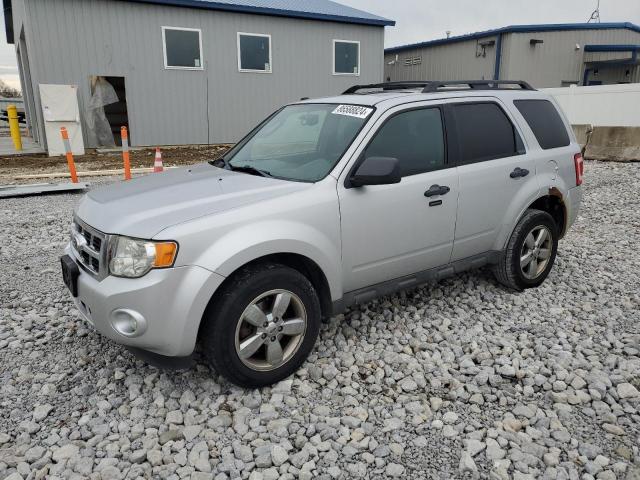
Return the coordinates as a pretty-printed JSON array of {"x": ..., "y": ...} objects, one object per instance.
[{"x": 428, "y": 383}]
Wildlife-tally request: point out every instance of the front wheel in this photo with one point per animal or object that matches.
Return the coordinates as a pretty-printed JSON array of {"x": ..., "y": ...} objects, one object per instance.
[
  {"x": 530, "y": 253},
  {"x": 262, "y": 325}
]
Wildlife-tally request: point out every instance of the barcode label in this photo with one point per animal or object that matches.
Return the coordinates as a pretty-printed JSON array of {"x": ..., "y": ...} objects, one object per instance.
[{"x": 353, "y": 111}]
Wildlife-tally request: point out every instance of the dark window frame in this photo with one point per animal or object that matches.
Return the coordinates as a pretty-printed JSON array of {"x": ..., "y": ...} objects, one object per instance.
[
  {"x": 559, "y": 119},
  {"x": 455, "y": 141},
  {"x": 164, "y": 48},
  {"x": 446, "y": 140}
]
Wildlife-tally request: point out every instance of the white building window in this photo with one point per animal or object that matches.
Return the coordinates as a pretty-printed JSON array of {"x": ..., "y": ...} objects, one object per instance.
[
  {"x": 346, "y": 57},
  {"x": 182, "y": 48},
  {"x": 254, "y": 52}
]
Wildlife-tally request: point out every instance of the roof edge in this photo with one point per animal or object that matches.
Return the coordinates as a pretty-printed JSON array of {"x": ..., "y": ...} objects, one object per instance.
[
  {"x": 553, "y": 27},
  {"x": 381, "y": 22},
  {"x": 616, "y": 47}
]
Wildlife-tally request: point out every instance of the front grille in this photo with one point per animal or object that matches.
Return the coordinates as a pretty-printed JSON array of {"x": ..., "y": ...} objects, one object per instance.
[{"x": 90, "y": 248}]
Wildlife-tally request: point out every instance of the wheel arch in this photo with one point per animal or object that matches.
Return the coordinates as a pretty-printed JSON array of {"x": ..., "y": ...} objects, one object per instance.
[
  {"x": 303, "y": 264},
  {"x": 552, "y": 202},
  {"x": 554, "y": 205}
]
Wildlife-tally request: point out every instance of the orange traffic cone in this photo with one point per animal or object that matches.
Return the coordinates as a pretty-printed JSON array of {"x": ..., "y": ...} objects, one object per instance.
[{"x": 157, "y": 165}]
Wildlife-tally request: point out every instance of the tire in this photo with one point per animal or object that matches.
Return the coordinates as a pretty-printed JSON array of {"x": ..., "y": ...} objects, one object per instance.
[
  {"x": 232, "y": 324},
  {"x": 509, "y": 271}
]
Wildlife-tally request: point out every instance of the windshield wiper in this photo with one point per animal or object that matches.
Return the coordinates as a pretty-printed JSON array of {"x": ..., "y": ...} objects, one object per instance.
[
  {"x": 223, "y": 163},
  {"x": 250, "y": 170}
]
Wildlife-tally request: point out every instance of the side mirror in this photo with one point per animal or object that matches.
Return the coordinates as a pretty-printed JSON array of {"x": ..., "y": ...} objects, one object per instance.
[{"x": 376, "y": 171}]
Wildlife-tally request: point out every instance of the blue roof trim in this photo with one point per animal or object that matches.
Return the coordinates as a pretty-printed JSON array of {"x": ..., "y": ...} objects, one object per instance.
[
  {"x": 517, "y": 29},
  {"x": 350, "y": 15},
  {"x": 611, "y": 48}
]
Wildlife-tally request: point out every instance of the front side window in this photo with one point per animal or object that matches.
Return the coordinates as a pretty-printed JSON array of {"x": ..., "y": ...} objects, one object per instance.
[
  {"x": 346, "y": 57},
  {"x": 182, "y": 48},
  {"x": 415, "y": 138},
  {"x": 301, "y": 142},
  {"x": 485, "y": 133},
  {"x": 254, "y": 52}
]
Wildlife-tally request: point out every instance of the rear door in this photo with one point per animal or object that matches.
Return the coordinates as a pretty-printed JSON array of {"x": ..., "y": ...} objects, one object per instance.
[
  {"x": 493, "y": 169},
  {"x": 389, "y": 231}
]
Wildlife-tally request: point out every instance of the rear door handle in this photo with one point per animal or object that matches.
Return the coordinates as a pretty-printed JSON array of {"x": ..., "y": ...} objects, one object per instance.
[
  {"x": 519, "y": 172},
  {"x": 437, "y": 190}
]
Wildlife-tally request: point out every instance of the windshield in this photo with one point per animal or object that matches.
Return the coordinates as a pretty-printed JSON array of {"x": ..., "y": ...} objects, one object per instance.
[{"x": 301, "y": 142}]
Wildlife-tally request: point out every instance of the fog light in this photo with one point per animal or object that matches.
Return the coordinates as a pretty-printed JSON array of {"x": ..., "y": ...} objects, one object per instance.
[{"x": 128, "y": 323}]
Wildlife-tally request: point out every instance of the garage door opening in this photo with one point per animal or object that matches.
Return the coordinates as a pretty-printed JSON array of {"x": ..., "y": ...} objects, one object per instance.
[{"x": 107, "y": 111}]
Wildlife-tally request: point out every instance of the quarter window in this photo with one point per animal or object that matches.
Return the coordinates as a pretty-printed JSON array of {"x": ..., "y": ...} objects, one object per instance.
[
  {"x": 545, "y": 122},
  {"x": 182, "y": 48},
  {"x": 415, "y": 138},
  {"x": 346, "y": 57},
  {"x": 254, "y": 52},
  {"x": 485, "y": 133}
]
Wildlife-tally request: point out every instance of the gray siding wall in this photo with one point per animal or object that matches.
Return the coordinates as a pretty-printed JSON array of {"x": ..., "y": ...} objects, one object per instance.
[
  {"x": 454, "y": 61},
  {"x": 545, "y": 65},
  {"x": 73, "y": 39},
  {"x": 24, "y": 45},
  {"x": 555, "y": 60}
]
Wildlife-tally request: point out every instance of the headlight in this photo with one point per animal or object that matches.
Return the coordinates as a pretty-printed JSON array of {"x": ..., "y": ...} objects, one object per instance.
[{"x": 134, "y": 258}]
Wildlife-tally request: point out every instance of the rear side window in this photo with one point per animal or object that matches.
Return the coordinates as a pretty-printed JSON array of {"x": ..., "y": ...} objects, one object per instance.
[
  {"x": 485, "y": 133},
  {"x": 415, "y": 138},
  {"x": 544, "y": 120}
]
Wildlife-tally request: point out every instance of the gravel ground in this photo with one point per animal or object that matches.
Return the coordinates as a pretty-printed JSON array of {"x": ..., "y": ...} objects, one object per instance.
[{"x": 460, "y": 379}]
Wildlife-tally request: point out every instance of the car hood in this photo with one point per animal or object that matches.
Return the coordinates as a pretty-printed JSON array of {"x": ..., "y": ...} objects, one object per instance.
[{"x": 146, "y": 205}]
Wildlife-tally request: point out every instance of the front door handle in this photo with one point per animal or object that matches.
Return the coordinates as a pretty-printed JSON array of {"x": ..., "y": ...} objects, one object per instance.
[
  {"x": 519, "y": 172},
  {"x": 437, "y": 190}
]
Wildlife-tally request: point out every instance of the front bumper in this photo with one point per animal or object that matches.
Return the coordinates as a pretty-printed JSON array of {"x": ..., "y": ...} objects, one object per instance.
[{"x": 171, "y": 301}]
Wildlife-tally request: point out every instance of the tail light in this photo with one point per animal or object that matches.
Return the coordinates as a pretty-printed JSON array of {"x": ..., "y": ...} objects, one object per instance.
[{"x": 579, "y": 164}]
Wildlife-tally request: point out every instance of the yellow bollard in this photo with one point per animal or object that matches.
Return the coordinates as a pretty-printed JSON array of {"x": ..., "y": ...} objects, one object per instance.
[{"x": 14, "y": 126}]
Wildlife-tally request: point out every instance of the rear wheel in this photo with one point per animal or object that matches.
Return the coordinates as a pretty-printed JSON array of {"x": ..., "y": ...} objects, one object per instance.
[
  {"x": 262, "y": 326},
  {"x": 530, "y": 253}
]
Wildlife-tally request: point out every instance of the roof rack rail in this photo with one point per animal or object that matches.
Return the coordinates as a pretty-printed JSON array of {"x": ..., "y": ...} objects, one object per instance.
[
  {"x": 386, "y": 86},
  {"x": 435, "y": 86},
  {"x": 476, "y": 85}
]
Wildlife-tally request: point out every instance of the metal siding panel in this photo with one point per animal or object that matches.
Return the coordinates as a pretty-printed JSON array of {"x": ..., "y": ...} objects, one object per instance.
[
  {"x": 454, "y": 61},
  {"x": 79, "y": 38},
  {"x": 555, "y": 60},
  {"x": 300, "y": 68}
]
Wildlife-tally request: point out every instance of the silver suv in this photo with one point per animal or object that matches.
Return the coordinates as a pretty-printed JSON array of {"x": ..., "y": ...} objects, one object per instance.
[{"x": 326, "y": 204}]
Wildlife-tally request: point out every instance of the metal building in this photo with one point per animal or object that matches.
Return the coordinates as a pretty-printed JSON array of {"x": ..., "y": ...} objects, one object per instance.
[
  {"x": 189, "y": 71},
  {"x": 544, "y": 55}
]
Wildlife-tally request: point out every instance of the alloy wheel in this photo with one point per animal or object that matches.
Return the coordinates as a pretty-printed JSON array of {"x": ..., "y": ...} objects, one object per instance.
[
  {"x": 536, "y": 252},
  {"x": 271, "y": 330}
]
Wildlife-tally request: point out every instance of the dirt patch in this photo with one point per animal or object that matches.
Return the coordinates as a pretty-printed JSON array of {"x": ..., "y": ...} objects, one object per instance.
[{"x": 171, "y": 156}]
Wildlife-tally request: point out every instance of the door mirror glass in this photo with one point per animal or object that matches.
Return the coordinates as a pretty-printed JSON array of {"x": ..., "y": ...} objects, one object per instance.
[{"x": 376, "y": 171}]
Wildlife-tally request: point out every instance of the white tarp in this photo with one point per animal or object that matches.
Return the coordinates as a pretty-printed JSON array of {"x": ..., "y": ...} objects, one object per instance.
[
  {"x": 98, "y": 128},
  {"x": 60, "y": 109}
]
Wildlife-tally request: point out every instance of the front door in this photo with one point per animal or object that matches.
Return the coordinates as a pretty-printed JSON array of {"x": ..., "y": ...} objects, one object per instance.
[{"x": 389, "y": 231}]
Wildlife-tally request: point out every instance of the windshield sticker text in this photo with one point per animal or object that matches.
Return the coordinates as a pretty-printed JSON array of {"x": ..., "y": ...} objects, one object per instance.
[{"x": 353, "y": 111}]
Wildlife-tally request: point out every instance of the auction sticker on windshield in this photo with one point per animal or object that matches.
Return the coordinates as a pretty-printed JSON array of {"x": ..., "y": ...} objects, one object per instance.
[{"x": 357, "y": 111}]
